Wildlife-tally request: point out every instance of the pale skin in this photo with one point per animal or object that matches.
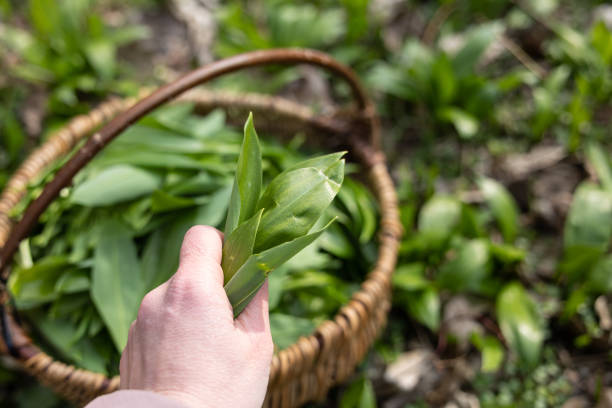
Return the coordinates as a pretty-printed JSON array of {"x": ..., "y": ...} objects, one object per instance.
[{"x": 185, "y": 343}]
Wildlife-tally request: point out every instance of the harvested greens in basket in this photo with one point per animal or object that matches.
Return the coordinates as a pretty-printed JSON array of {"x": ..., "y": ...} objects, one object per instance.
[{"x": 116, "y": 234}]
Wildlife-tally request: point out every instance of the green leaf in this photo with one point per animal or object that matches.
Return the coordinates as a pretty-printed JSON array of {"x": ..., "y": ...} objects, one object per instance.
[
  {"x": 598, "y": 158},
  {"x": 248, "y": 279},
  {"x": 477, "y": 41},
  {"x": 45, "y": 17},
  {"x": 164, "y": 202},
  {"x": 410, "y": 277},
  {"x": 73, "y": 281},
  {"x": 468, "y": 269},
  {"x": 425, "y": 307},
  {"x": 465, "y": 123},
  {"x": 578, "y": 260},
  {"x": 153, "y": 139},
  {"x": 286, "y": 329},
  {"x": 201, "y": 183},
  {"x": 247, "y": 183},
  {"x": 336, "y": 242},
  {"x": 600, "y": 277},
  {"x": 438, "y": 218},
  {"x": 589, "y": 221},
  {"x": 117, "y": 286},
  {"x": 443, "y": 80},
  {"x": 295, "y": 200},
  {"x": 360, "y": 394},
  {"x": 114, "y": 185},
  {"x": 35, "y": 285},
  {"x": 138, "y": 157},
  {"x": 100, "y": 54},
  {"x": 238, "y": 246},
  {"x": 492, "y": 352},
  {"x": 521, "y": 323},
  {"x": 320, "y": 162},
  {"x": 60, "y": 333},
  {"x": 502, "y": 205},
  {"x": 506, "y": 254}
]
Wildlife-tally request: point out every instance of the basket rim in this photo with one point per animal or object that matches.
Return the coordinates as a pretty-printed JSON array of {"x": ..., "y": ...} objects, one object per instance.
[{"x": 363, "y": 303}]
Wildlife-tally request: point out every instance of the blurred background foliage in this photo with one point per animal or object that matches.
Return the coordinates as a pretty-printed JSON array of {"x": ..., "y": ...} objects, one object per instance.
[{"x": 496, "y": 118}]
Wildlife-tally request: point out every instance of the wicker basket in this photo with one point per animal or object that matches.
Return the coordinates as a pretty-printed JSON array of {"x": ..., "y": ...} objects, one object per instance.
[{"x": 306, "y": 370}]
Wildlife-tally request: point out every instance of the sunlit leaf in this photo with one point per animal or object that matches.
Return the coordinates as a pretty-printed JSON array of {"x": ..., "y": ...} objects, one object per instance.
[
  {"x": 492, "y": 352},
  {"x": 410, "y": 277},
  {"x": 468, "y": 268},
  {"x": 294, "y": 200},
  {"x": 589, "y": 221},
  {"x": 360, "y": 394},
  {"x": 238, "y": 246},
  {"x": 502, "y": 205},
  {"x": 117, "y": 285},
  {"x": 438, "y": 218},
  {"x": 247, "y": 184},
  {"x": 115, "y": 184},
  {"x": 425, "y": 307},
  {"x": 599, "y": 159},
  {"x": 287, "y": 329},
  {"x": 521, "y": 323}
]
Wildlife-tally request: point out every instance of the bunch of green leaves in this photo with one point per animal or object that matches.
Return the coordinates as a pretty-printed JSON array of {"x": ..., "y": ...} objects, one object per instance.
[
  {"x": 457, "y": 247},
  {"x": 116, "y": 233},
  {"x": 344, "y": 29},
  {"x": 70, "y": 50},
  {"x": 282, "y": 23},
  {"x": 264, "y": 230},
  {"x": 586, "y": 267},
  {"x": 448, "y": 87},
  {"x": 571, "y": 99}
]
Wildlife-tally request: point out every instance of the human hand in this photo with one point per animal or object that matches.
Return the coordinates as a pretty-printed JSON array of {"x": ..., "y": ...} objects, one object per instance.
[{"x": 185, "y": 343}]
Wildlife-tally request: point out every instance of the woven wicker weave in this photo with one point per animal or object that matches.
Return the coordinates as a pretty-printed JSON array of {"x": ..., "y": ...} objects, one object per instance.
[{"x": 306, "y": 370}]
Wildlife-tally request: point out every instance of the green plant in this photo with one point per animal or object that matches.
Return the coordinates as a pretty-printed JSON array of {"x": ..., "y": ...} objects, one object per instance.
[
  {"x": 456, "y": 249},
  {"x": 447, "y": 87},
  {"x": 70, "y": 50},
  {"x": 586, "y": 267}
]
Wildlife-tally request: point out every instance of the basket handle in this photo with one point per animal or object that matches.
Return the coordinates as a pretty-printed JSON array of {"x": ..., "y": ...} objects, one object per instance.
[{"x": 200, "y": 75}]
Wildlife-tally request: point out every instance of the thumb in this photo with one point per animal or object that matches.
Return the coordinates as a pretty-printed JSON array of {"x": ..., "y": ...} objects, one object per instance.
[
  {"x": 201, "y": 249},
  {"x": 197, "y": 284}
]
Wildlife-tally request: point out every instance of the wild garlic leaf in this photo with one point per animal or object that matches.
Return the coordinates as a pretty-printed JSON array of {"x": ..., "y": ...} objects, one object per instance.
[
  {"x": 238, "y": 246},
  {"x": 319, "y": 162},
  {"x": 248, "y": 279},
  {"x": 117, "y": 286},
  {"x": 162, "y": 201},
  {"x": 73, "y": 281},
  {"x": 589, "y": 221},
  {"x": 139, "y": 136},
  {"x": 59, "y": 332},
  {"x": 521, "y": 323},
  {"x": 503, "y": 207},
  {"x": 248, "y": 179},
  {"x": 36, "y": 285},
  {"x": 114, "y": 185},
  {"x": 146, "y": 158},
  {"x": 287, "y": 329},
  {"x": 295, "y": 200}
]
